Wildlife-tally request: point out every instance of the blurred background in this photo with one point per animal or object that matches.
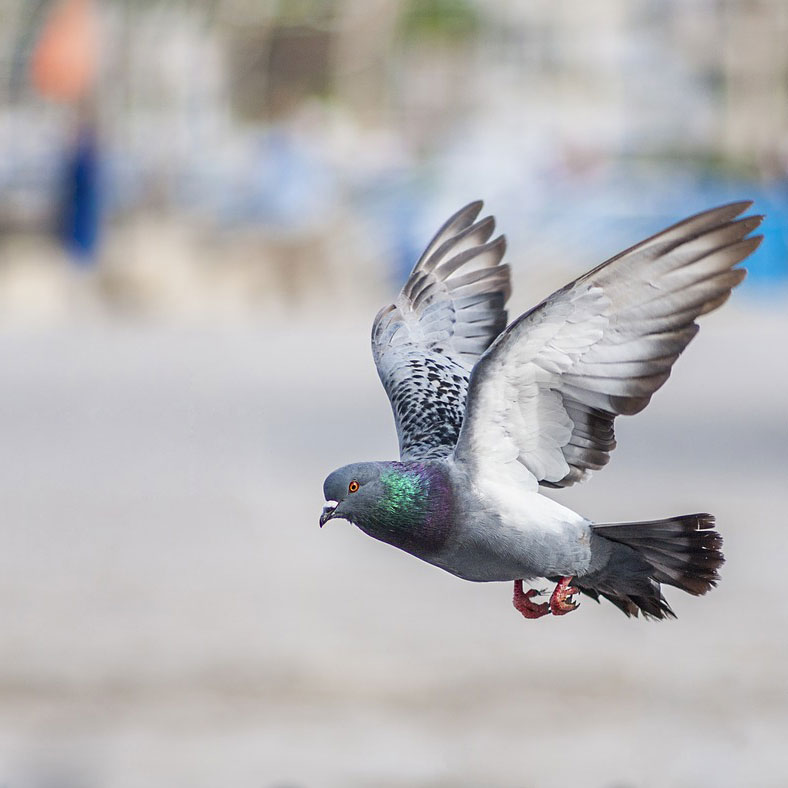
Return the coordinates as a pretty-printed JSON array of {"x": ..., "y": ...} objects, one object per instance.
[{"x": 202, "y": 206}]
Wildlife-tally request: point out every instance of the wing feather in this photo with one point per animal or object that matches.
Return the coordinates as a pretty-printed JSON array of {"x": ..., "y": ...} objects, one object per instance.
[
  {"x": 448, "y": 313},
  {"x": 549, "y": 388}
]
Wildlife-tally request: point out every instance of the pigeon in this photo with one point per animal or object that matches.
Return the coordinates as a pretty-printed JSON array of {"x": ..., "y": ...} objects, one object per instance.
[{"x": 487, "y": 413}]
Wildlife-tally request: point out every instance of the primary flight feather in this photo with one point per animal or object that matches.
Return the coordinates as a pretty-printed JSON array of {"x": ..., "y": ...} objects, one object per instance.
[{"x": 486, "y": 414}]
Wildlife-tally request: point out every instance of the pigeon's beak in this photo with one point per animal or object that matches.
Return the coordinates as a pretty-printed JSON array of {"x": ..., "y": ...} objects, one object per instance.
[{"x": 328, "y": 513}]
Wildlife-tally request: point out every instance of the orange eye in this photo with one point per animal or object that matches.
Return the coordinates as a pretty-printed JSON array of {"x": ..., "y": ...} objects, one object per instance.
[{"x": 353, "y": 486}]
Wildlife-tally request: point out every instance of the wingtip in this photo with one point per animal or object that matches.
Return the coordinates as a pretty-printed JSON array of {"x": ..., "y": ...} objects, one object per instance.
[
  {"x": 751, "y": 222},
  {"x": 501, "y": 242},
  {"x": 741, "y": 206},
  {"x": 736, "y": 208},
  {"x": 750, "y": 243},
  {"x": 757, "y": 239},
  {"x": 463, "y": 218},
  {"x": 469, "y": 213},
  {"x": 487, "y": 222},
  {"x": 728, "y": 211}
]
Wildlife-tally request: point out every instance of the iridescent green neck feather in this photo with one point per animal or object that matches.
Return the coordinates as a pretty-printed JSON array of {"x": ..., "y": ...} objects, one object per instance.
[
  {"x": 414, "y": 509},
  {"x": 405, "y": 492}
]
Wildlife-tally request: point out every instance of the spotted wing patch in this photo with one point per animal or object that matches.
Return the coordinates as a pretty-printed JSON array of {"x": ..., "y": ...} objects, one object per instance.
[{"x": 426, "y": 343}]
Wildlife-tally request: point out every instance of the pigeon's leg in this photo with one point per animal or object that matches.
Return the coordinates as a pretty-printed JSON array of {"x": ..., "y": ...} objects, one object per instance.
[
  {"x": 522, "y": 602},
  {"x": 561, "y": 600}
]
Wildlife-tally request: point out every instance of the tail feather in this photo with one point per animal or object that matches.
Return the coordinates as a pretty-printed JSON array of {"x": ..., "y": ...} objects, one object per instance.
[{"x": 683, "y": 551}]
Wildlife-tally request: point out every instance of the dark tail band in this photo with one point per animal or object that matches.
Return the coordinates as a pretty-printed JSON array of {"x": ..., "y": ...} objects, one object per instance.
[{"x": 683, "y": 551}]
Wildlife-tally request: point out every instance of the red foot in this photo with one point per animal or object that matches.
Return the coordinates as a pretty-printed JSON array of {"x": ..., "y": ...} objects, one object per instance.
[
  {"x": 561, "y": 601},
  {"x": 522, "y": 602}
]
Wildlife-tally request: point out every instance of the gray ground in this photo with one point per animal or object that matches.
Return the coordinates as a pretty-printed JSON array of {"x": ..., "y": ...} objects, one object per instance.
[{"x": 173, "y": 616}]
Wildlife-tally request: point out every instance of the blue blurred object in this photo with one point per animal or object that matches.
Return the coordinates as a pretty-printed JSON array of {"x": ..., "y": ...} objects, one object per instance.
[
  {"x": 393, "y": 201},
  {"x": 632, "y": 202},
  {"x": 80, "y": 214},
  {"x": 769, "y": 266},
  {"x": 283, "y": 184}
]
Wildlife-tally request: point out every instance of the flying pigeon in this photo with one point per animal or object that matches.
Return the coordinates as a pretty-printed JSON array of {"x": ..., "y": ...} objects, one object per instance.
[{"x": 486, "y": 414}]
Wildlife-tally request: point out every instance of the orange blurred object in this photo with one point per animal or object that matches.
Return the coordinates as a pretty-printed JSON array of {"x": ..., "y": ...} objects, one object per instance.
[{"x": 65, "y": 58}]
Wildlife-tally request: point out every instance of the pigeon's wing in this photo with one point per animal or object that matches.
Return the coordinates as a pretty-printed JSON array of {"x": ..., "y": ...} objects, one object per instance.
[
  {"x": 547, "y": 391},
  {"x": 447, "y": 314}
]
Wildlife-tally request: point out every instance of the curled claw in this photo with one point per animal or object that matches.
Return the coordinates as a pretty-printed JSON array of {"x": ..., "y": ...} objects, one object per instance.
[
  {"x": 561, "y": 601},
  {"x": 522, "y": 602}
]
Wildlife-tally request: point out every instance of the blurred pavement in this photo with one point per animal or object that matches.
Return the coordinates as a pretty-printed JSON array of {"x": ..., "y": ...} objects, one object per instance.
[{"x": 172, "y": 614}]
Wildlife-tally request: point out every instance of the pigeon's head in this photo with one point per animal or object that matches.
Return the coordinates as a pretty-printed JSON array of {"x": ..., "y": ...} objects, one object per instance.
[
  {"x": 408, "y": 505},
  {"x": 352, "y": 492}
]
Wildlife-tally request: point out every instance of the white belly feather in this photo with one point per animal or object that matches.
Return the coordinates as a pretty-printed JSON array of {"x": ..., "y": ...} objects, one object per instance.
[{"x": 508, "y": 531}]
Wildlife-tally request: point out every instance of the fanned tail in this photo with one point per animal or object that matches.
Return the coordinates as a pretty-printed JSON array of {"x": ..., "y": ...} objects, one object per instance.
[{"x": 683, "y": 551}]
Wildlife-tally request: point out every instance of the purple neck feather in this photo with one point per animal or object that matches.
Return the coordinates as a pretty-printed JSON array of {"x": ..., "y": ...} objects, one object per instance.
[{"x": 414, "y": 512}]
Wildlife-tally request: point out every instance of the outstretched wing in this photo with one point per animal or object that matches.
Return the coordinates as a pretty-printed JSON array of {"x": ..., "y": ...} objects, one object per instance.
[
  {"x": 547, "y": 391},
  {"x": 447, "y": 314}
]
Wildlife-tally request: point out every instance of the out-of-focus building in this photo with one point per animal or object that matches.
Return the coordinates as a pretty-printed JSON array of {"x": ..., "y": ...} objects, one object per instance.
[{"x": 284, "y": 120}]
